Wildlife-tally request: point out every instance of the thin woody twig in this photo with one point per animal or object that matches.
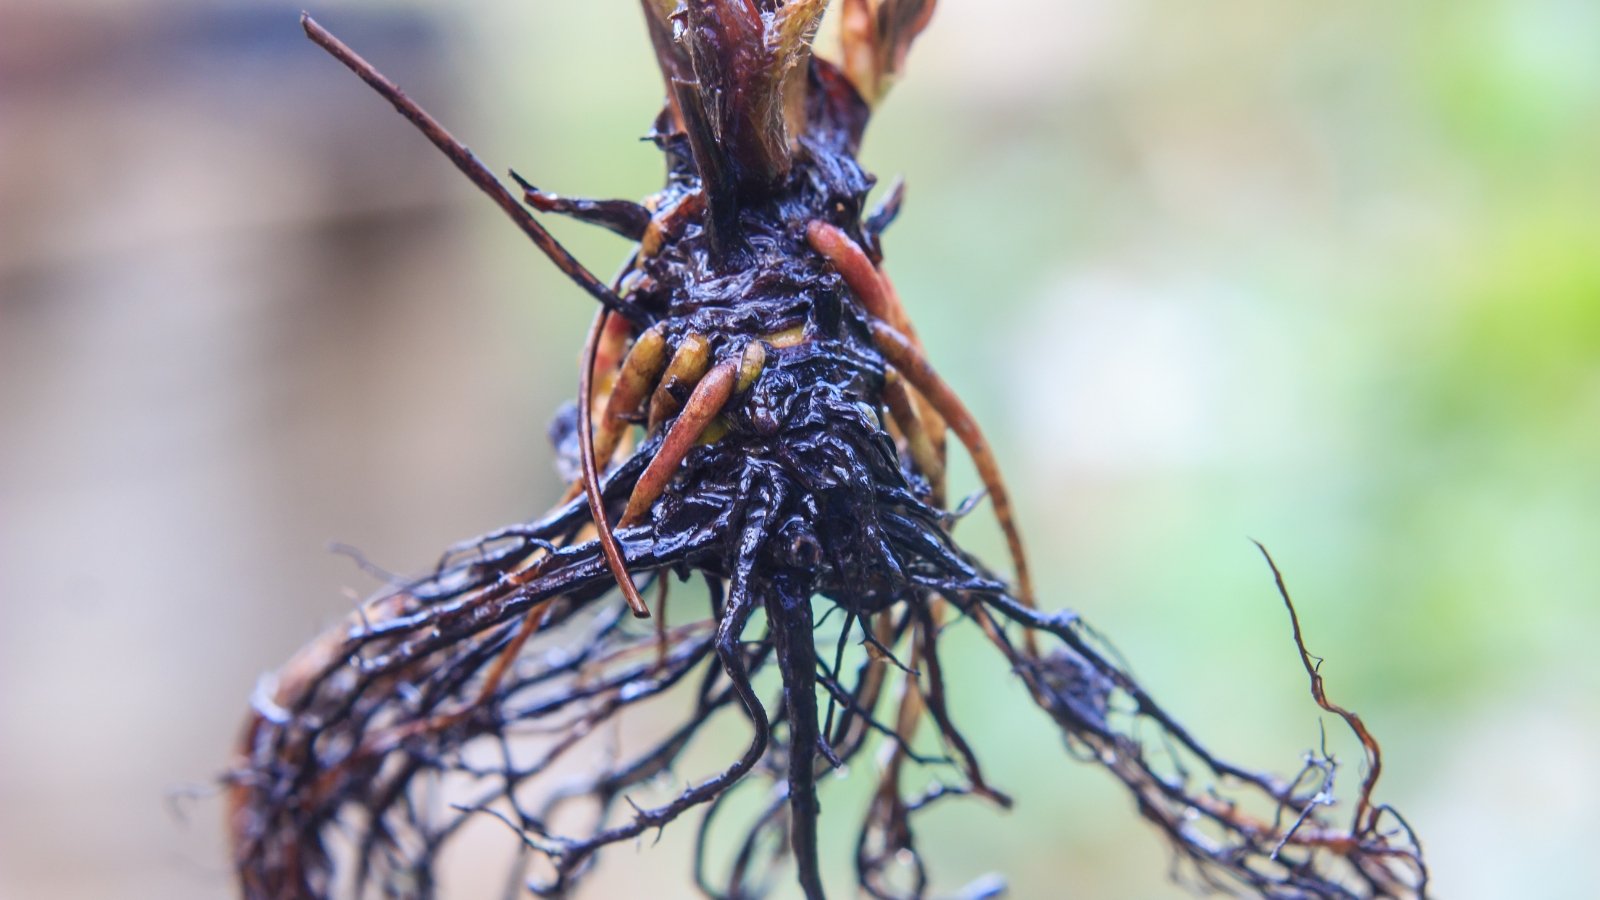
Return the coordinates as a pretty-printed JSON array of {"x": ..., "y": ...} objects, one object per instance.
[
  {"x": 1363, "y": 813},
  {"x": 472, "y": 167}
]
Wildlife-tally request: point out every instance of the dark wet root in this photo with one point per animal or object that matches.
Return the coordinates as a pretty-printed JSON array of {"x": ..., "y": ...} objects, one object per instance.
[
  {"x": 1232, "y": 829},
  {"x": 382, "y": 740}
]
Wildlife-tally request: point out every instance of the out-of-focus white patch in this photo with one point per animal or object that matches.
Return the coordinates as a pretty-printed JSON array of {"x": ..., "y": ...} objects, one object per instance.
[
  {"x": 1118, "y": 373},
  {"x": 982, "y": 51},
  {"x": 1512, "y": 802}
]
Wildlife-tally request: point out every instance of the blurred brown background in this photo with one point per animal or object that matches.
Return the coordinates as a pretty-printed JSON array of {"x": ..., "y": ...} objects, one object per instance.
[{"x": 1323, "y": 274}]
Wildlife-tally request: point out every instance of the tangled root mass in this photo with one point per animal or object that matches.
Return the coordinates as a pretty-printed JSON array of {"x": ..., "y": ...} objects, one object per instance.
[{"x": 776, "y": 469}]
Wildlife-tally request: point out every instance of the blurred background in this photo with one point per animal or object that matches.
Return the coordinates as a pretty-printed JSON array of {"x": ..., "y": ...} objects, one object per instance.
[{"x": 1326, "y": 275}]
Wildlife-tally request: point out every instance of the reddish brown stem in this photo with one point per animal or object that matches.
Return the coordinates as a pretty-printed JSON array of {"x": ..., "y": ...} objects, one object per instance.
[{"x": 591, "y": 474}]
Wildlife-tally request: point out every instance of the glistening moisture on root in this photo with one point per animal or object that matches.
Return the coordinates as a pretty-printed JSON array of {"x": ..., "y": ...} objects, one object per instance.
[{"x": 757, "y": 416}]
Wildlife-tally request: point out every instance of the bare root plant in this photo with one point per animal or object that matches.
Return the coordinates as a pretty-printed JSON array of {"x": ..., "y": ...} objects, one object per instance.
[{"x": 755, "y": 415}]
